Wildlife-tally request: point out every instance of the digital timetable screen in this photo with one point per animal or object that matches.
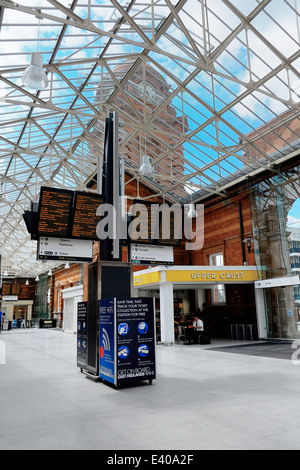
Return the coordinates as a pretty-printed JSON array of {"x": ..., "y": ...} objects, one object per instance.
[
  {"x": 167, "y": 226},
  {"x": 6, "y": 289},
  {"x": 54, "y": 212},
  {"x": 85, "y": 220},
  {"x": 64, "y": 213}
]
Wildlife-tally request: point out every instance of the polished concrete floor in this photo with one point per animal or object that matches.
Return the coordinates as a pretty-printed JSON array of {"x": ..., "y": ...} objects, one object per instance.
[{"x": 203, "y": 398}]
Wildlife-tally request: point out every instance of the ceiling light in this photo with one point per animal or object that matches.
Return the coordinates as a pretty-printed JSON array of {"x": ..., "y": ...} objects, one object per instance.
[
  {"x": 50, "y": 272},
  {"x": 27, "y": 282},
  {"x": 67, "y": 266},
  {"x": 34, "y": 76},
  {"x": 191, "y": 213},
  {"x": 146, "y": 169},
  {"x": 37, "y": 278},
  {"x": 5, "y": 273}
]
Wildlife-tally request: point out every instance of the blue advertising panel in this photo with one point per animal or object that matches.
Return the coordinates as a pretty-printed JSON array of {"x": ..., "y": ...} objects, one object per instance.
[
  {"x": 127, "y": 340},
  {"x": 107, "y": 368},
  {"x": 135, "y": 339}
]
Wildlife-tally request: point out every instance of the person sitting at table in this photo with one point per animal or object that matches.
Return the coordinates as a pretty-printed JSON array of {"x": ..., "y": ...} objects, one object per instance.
[{"x": 198, "y": 328}]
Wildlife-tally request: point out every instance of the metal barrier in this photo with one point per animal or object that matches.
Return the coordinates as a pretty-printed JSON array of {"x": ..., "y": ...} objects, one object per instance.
[{"x": 241, "y": 331}]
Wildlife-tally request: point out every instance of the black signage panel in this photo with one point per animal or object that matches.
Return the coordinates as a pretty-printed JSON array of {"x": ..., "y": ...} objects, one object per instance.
[
  {"x": 15, "y": 289},
  {"x": 84, "y": 218},
  {"x": 156, "y": 224},
  {"x": 44, "y": 323},
  {"x": 82, "y": 334},
  {"x": 64, "y": 213},
  {"x": 6, "y": 288},
  {"x": 54, "y": 212}
]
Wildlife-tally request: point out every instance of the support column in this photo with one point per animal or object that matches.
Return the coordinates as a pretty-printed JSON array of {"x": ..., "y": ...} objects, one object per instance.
[
  {"x": 166, "y": 312},
  {"x": 29, "y": 312}
]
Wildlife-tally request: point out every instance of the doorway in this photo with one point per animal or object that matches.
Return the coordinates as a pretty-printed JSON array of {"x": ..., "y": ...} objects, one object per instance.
[{"x": 69, "y": 316}]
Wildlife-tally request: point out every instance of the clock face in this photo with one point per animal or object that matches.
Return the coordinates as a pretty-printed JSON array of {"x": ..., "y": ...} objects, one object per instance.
[{"x": 150, "y": 92}]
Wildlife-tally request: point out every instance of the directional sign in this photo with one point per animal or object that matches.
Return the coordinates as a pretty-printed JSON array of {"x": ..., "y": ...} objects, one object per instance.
[
  {"x": 151, "y": 254},
  {"x": 65, "y": 249}
]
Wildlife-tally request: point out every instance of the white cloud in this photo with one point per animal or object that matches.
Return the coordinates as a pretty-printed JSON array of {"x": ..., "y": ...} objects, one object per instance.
[
  {"x": 293, "y": 222},
  {"x": 267, "y": 60}
]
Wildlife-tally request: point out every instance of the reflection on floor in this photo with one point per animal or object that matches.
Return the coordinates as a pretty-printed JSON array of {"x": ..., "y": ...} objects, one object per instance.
[{"x": 276, "y": 349}]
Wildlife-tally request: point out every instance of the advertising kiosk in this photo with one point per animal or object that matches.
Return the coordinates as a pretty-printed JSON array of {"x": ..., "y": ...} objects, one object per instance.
[{"x": 127, "y": 340}]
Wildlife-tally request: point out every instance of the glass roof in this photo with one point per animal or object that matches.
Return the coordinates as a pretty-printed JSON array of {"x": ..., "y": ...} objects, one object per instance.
[{"x": 199, "y": 86}]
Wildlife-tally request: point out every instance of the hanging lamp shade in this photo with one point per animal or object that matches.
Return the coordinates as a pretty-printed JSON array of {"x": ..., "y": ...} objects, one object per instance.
[
  {"x": 37, "y": 278},
  {"x": 34, "y": 76},
  {"x": 191, "y": 212},
  {"x": 146, "y": 169}
]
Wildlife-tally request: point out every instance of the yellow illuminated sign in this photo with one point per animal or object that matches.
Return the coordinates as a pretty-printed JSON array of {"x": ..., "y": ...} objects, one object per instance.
[
  {"x": 212, "y": 275},
  {"x": 147, "y": 278}
]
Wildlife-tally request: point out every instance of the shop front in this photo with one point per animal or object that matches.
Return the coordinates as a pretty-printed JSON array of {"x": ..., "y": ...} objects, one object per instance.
[
  {"x": 16, "y": 313},
  {"x": 224, "y": 297}
]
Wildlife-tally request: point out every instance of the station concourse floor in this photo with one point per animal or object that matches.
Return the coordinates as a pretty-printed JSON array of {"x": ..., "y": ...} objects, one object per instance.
[{"x": 204, "y": 397}]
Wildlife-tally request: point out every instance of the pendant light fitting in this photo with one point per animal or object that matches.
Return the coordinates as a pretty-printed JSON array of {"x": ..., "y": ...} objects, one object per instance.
[{"x": 34, "y": 76}]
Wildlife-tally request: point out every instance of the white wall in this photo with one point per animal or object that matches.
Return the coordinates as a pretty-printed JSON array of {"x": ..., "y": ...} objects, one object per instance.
[{"x": 71, "y": 296}]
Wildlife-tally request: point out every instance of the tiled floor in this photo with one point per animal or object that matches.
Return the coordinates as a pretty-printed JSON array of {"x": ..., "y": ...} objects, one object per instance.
[{"x": 203, "y": 398}]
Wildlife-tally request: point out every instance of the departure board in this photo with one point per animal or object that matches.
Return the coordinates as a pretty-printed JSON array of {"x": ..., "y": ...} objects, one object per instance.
[
  {"x": 156, "y": 228},
  {"x": 141, "y": 223},
  {"x": 15, "y": 289},
  {"x": 175, "y": 230},
  {"x": 85, "y": 220},
  {"x": 54, "y": 212},
  {"x": 6, "y": 288}
]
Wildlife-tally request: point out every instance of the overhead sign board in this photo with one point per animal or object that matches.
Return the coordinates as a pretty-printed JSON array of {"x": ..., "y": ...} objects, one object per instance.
[
  {"x": 84, "y": 218},
  {"x": 10, "y": 298},
  {"x": 65, "y": 213},
  {"x": 54, "y": 212},
  {"x": 155, "y": 224},
  {"x": 151, "y": 254},
  {"x": 212, "y": 275},
  {"x": 65, "y": 249},
  {"x": 147, "y": 278},
  {"x": 195, "y": 276},
  {"x": 278, "y": 282},
  {"x": 11, "y": 288}
]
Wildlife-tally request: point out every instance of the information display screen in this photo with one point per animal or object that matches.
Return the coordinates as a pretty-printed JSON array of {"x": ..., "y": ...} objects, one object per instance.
[
  {"x": 54, "y": 212},
  {"x": 141, "y": 223},
  {"x": 68, "y": 214},
  {"x": 15, "y": 289},
  {"x": 6, "y": 288},
  {"x": 156, "y": 224},
  {"x": 85, "y": 220}
]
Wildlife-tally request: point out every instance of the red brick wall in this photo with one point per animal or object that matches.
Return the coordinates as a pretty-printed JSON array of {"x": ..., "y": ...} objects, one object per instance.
[
  {"x": 286, "y": 130},
  {"x": 222, "y": 232},
  {"x": 63, "y": 279}
]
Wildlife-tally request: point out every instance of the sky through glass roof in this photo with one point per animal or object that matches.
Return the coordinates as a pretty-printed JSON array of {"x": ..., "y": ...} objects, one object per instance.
[{"x": 225, "y": 75}]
